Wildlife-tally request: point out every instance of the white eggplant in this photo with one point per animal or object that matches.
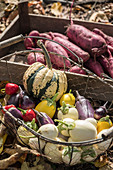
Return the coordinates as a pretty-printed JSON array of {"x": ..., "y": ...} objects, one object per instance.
[
  {"x": 101, "y": 147},
  {"x": 65, "y": 125},
  {"x": 24, "y": 135},
  {"x": 54, "y": 151},
  {"x": 67, "y": 111},
  {"x": 89, "y": 153},
  {"x": 48, "y": 130},
  {"x": 92, "y": 120},
  {"x": 83, "y": 131},
  {"x": 76, "y": 155},
  {"x": 70, "y": 140},
  {"x": 34, "y": 144}
]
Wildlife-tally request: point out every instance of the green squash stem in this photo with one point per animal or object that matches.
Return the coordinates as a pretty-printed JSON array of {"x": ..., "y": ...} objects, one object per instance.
[{"x": 46, "y": 54}]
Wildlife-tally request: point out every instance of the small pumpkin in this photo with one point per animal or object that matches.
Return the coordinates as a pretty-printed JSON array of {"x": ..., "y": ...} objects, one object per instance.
[{"x": 42, "y": 81}]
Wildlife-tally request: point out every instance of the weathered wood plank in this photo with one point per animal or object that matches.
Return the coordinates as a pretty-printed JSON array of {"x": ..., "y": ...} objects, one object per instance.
[
  {"x": 24, "y": 23},
  {"x": 88, "y": 86},
  {"x": 46, "y": 23}
]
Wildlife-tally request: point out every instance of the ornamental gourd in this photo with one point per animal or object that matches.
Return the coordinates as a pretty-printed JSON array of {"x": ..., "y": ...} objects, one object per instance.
[{"x": 42, "y": 81}]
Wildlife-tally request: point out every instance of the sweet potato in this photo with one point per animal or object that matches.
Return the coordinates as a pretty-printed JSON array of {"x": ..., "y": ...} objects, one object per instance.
[
  {"x": 108, "y": 39},
  {"x": 56, "y": 59},
  {"x": 107, "y": 63},
  {"x": 56, "y": 34},
  {"x": 76, "y": 69},
  {"x": 74, "y": 48},
  {"x": 34, "y": 33},
  {"x": 35, "y": 57},
  {"x": 45, "y": 35},
  {"x": 87, "y": 40},
  {"x": 28, "y": 43},
  {"x": 94, "y": 66}
]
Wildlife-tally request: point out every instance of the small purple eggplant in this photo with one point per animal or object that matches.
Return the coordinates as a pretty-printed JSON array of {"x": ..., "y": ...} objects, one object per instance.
[
  {"x": 43, "y": 118},
  {"x": 9, "y": 121},
  {"x": 25, "y": 102},
  {"x": 15, "y": 112},
  {"x": 100, "y": 112},
  {"x": 14, "y": 99},
  {"x": 84, "y": 107}
]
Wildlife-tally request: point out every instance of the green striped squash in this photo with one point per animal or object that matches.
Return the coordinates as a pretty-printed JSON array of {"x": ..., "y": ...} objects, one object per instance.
[{"x": 43, "y": 82}]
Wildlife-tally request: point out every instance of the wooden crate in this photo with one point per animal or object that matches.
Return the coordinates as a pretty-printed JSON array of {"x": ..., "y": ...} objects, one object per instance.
[{"x": 23, "y": 24}]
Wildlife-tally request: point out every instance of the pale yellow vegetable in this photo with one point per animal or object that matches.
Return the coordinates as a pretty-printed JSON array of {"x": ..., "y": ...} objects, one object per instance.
[
  {"x": 70, "y": 123},
  {"x": 33, "y": 143},
  {"x": 83, "y": 131},
  {"x": 89, "y": 153},
  {"x": 54, "y": 151},
  {"x": 92, "y": 120},
  {"x": 48, "y": 130},
  {"x": 24, "y": 135},
  {"x": 101, "y": 147},
  {"x": 76, "y": 155}
]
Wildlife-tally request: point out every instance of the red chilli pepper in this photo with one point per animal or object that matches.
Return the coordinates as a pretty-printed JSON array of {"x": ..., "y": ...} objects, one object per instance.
[
  {"x": 8, "y": 107},
  {"x": 28, "y": 115},
  {"x": 11, "y": 88}
]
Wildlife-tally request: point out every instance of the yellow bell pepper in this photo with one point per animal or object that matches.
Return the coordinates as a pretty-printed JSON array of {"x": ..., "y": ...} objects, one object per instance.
[
  {"x": 104, "y": 123},
  {"x": 47, "y": 106},
  {"x": 68, "y": 98}
]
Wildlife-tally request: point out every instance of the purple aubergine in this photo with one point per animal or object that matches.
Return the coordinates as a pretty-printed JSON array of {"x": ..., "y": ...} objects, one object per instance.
[
  {"x": 84, "y": 107},
  {"x": 14, "y": 99},
  {"x": 100, "y": 112},
  {"x": 15, "y": 112},
  {"x": 26, "y": 103},
  {"x": 9, "y": 121},
  {"x": 43, "y": 118}
]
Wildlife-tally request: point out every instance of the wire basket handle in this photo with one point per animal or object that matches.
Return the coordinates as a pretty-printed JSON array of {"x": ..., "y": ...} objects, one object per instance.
[{"x": 11, "y": 41}]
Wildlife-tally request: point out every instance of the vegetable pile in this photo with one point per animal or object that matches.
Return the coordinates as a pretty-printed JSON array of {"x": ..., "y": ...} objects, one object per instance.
[
  {"x": 45, "y": 117},
  {"x": 92, "y": 49},
  {"x": 70, "y": 119}
]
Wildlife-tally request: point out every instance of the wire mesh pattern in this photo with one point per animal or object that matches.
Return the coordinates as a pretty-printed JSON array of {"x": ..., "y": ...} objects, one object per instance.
[{"x": 89, "y": 85}]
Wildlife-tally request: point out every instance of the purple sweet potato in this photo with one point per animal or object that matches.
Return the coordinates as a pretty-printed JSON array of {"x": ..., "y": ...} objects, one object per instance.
[
  {"x": 94, "y": 66},
  {"x": 56, "y": 34},
  {"x": 28, "y": 43},
  {"x": 35, "y": 57},
  {"x": 76, "y": 69},
  {"x": 74, "y": 48},
  {"x": 108, "y": 39},
  {"x": 107, "y": 63},
  {"x": 110, "y": 48},
  {"x": 45, "y": 35},
  {"x": 56, "y": 59},
  {"x": 87, "y": 40},
  {"x": 34, "y": 33}
]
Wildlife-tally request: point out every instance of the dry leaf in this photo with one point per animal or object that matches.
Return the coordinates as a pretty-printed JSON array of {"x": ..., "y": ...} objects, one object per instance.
[
  {"x": 10, "y": 18},
  {"x": 9, "y": 7},
  {"x": 56, "y": 9},
  {"x": 109, "y": 166},
  {"x": 11, "y": 2},
  {"x": 101, "y": 161},
  {"x": 98, "y": 16}
]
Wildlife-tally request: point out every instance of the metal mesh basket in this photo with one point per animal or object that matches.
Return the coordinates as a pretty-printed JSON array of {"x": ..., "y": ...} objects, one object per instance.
[{"x": 73, "y": 152}]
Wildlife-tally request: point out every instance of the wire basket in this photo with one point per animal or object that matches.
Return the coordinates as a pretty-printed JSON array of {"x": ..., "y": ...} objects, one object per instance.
[{"x": 58, "y": 151}]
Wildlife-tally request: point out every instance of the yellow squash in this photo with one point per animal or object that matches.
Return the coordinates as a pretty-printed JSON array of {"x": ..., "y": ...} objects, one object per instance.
[
  {"x": 47, "y": 106},
  {"x": 68, "y": 98},
  {"x": 104, "y": 123}
]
